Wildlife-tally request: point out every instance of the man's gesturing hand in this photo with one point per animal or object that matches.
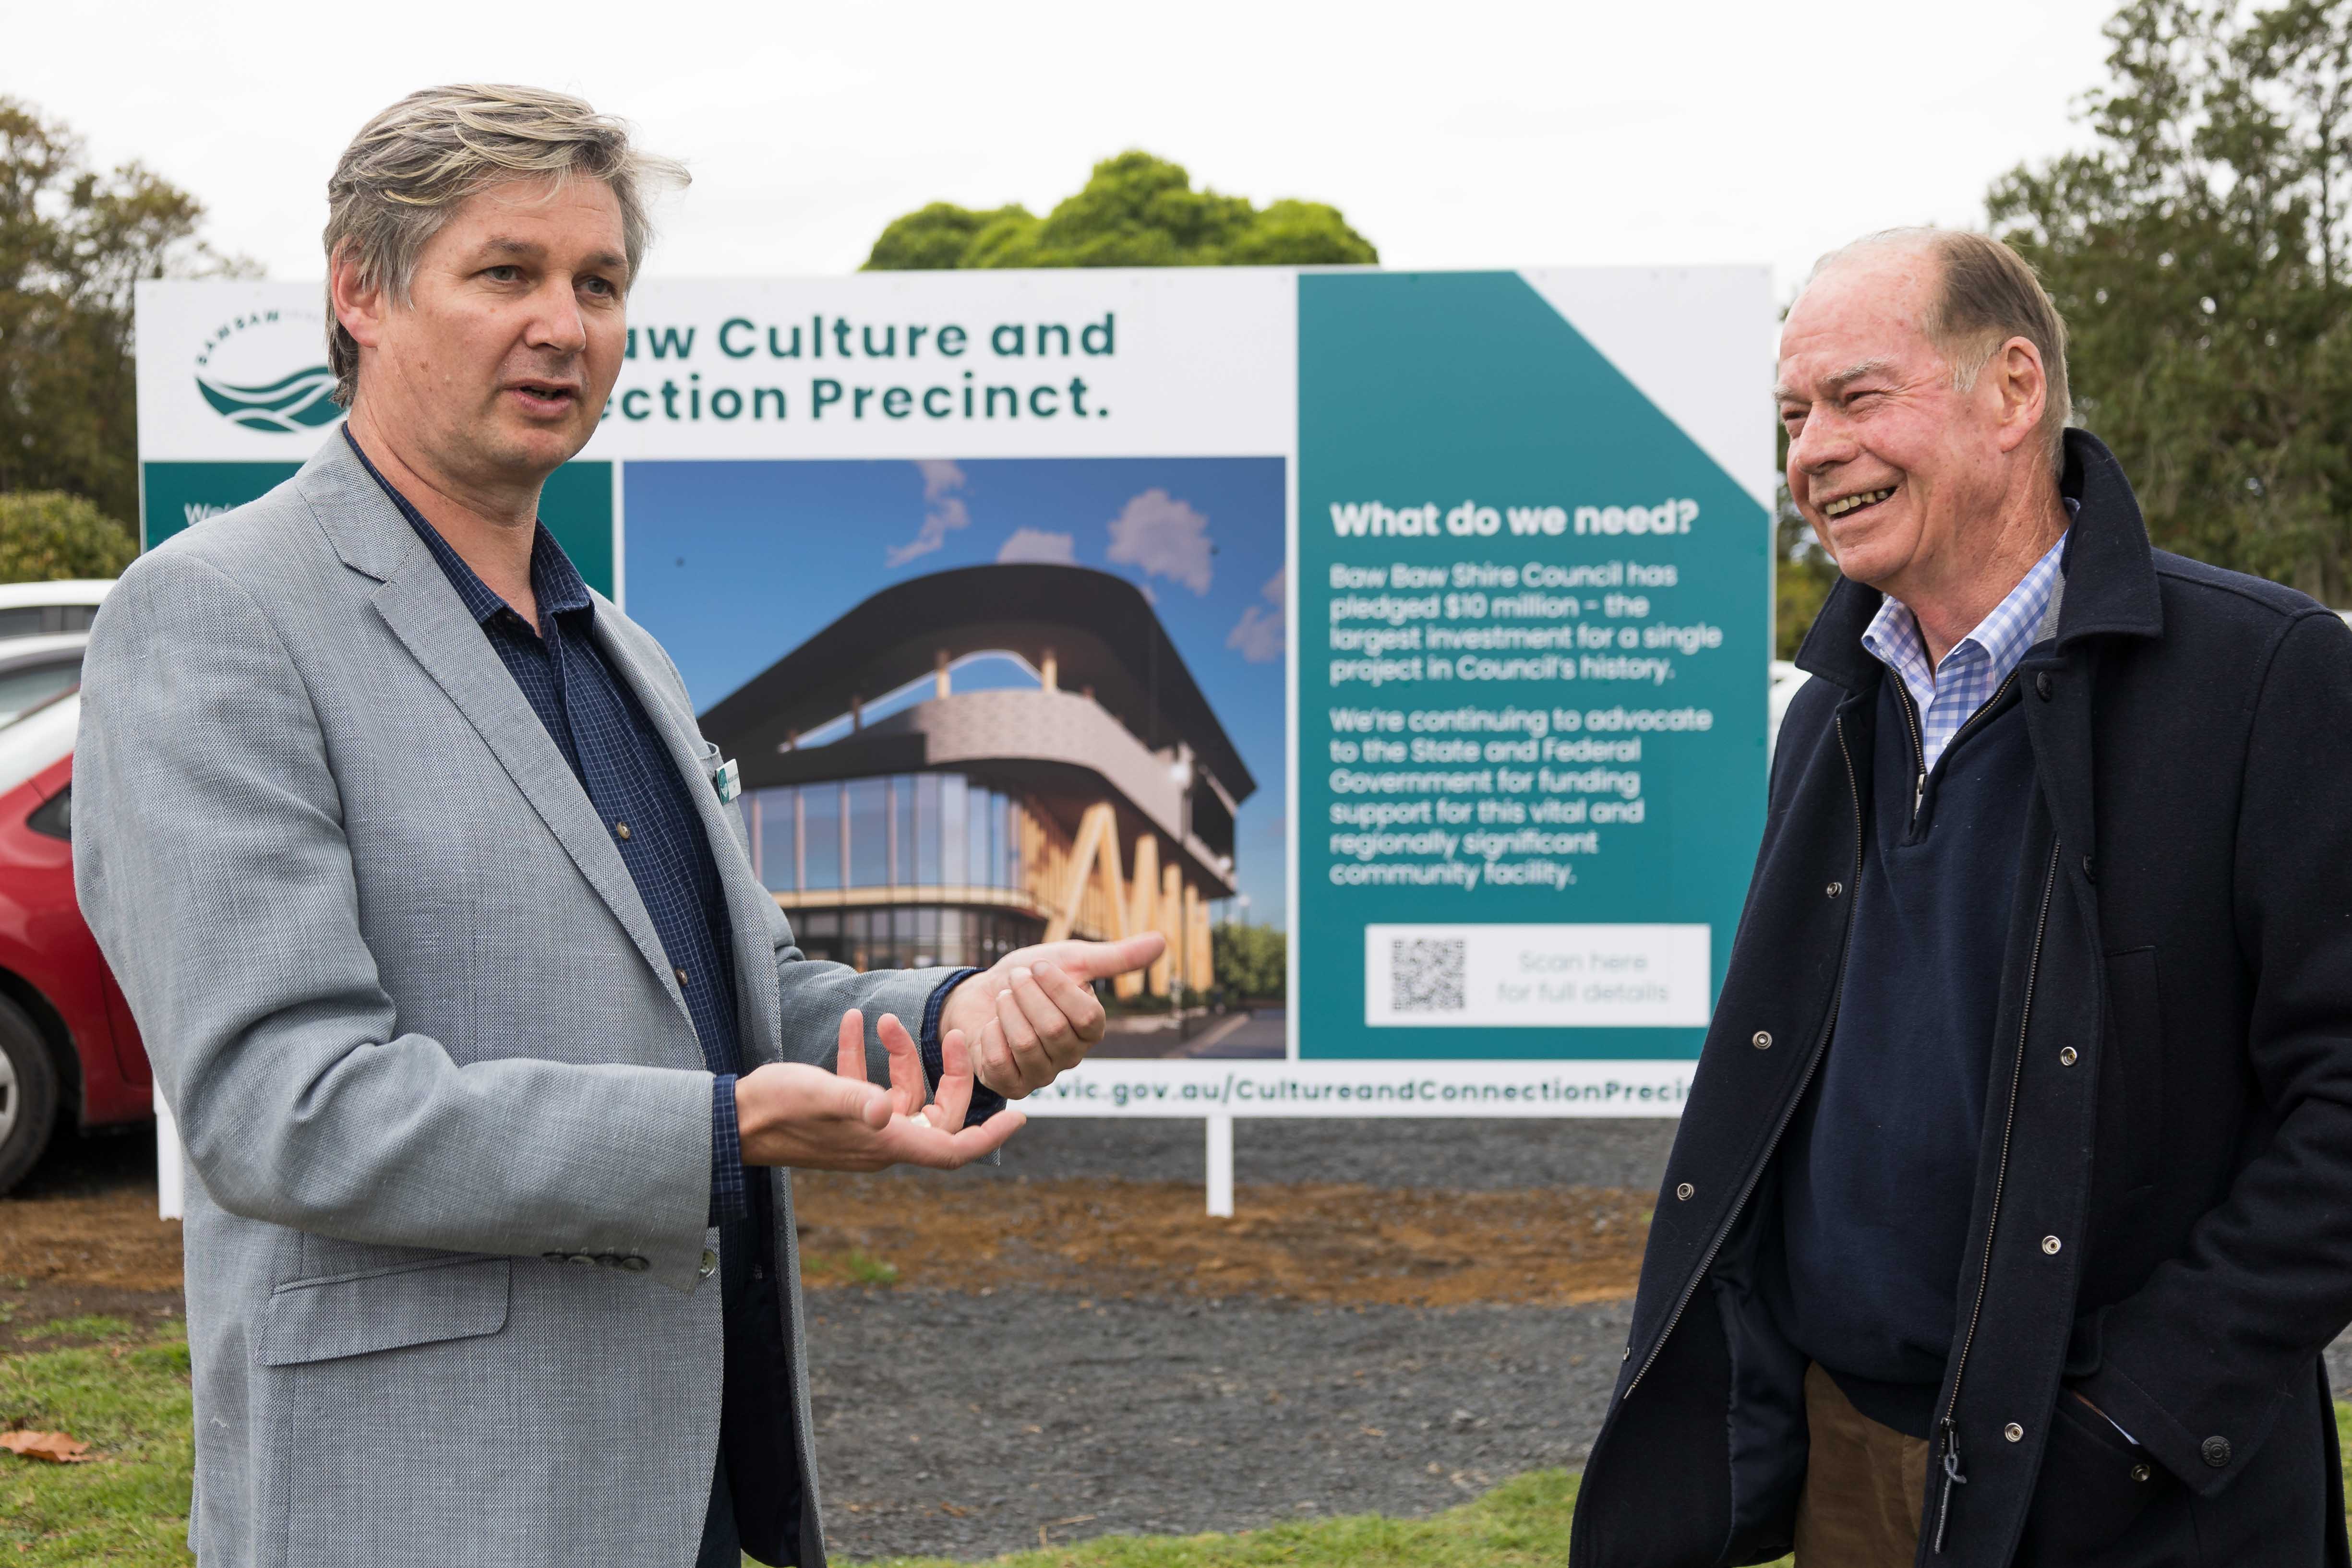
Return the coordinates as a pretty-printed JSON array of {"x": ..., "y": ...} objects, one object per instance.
[
  {"x": 791, "y": 1114},
  {"x": 1033, "y": 1017}
]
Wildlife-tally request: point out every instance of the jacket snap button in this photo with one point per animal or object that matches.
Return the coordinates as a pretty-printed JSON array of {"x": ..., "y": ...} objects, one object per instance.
[
  {"x": 1834, "y": 889},
  {"x": 1685, "y": 1191},
  {"x": 2140, "y": 1473},
  {"x": 709, "y": 1264},
  {"x": 2050, "y": 1244},
  {"x": 2014, "y": 1432},
  {"x": 1761, "y": 1040},
  {"x": 2066, "y": 1056},
  {"x": 2041, "y": 685},
  {"x": 2216, "y": 1451}
]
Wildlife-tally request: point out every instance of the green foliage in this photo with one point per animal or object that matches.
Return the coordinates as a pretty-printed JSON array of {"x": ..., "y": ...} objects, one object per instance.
[
  {"x": 1802, "y": 571},
  {"x": 2199, "y": 251},
  {"x": 1136, "y": 211},
  {"x": 47, "y": 535},
  {"x": 73, "y": 242},
  {"x": 1250, "y": 961}
]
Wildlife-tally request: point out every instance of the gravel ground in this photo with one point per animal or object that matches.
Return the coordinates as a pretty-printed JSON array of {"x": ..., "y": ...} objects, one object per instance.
[
  {"x": 956, "y": 1425},
  {"x": 1484, "y": 1155},
  {"x": 1168, "y": 1417}
]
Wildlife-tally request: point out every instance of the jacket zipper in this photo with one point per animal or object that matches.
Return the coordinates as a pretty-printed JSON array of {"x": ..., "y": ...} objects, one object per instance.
[
  {"x": 1723, "y": 1232},
  {"x": 1919, "y": 743},
  {"x": 1949, "y": 1426},
  {"x": 1918, "y": 753}
]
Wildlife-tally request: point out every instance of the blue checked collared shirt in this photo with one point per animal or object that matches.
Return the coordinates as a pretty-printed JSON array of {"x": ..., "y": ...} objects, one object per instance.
[
  {"x": 1948, "y": 693},
  {"x": 621, "y": 761}
]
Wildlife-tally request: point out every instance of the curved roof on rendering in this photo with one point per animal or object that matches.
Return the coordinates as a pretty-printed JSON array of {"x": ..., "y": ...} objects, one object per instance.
[{"x": 1100, "y": 628}]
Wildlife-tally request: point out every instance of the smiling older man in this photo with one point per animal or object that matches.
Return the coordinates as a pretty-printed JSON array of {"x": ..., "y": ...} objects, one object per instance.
[
  {"x": 2013, "y": 1207},
  {"x": 434, "y": 909}
]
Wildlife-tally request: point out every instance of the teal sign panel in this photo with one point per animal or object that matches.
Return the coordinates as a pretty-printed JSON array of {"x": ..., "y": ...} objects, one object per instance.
[
  {"x": 1531, "y": 662},
  {"x": 576, "y": 505}
]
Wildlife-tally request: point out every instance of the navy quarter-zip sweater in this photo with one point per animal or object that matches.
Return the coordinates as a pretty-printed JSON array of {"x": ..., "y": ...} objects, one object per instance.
[{"x": 1878, "y": 1168}]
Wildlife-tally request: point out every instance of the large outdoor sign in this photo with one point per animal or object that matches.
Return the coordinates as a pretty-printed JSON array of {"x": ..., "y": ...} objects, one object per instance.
[{"x": 1421, "y": 616}]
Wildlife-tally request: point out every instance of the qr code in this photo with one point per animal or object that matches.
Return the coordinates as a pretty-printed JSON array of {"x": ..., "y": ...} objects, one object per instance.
[{"x": 1425, "y": 975}]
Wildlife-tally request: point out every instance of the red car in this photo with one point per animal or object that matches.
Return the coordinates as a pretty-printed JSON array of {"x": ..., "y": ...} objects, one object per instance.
[{"x": 67, "y": 1046}]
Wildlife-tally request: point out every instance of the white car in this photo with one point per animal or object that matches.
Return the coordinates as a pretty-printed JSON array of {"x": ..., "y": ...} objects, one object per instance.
[
  {"x": 35, "y": 669},
  {"x": 45, "y": 609}
]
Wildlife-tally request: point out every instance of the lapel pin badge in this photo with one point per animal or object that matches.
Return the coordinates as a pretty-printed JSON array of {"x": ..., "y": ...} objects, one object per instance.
[{"x": 728, "y": 779}]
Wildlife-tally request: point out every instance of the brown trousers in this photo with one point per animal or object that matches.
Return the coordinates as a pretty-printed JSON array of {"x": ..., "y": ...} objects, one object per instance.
[{"x": 1863, "y": 1484}]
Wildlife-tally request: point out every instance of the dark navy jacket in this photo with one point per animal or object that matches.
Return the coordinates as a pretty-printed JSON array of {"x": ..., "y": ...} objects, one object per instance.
[{"x": 2162, "y": 1202}]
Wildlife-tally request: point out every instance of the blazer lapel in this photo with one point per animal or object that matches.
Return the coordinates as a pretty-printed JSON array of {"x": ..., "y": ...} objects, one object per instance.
[
  {"x": 426, "y": 614},
  {"x": 749, "y": 906}
]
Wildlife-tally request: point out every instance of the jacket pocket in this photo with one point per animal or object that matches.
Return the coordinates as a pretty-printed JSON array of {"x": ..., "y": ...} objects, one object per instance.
[
  {"x": 357, "y": 1314},
  {"x": 2131, "y": 1088},
  {"x": 2093, "y": 1486}
]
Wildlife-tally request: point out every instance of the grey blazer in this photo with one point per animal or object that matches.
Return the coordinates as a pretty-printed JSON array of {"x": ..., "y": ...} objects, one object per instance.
[{"x": 426, "y": 1055}]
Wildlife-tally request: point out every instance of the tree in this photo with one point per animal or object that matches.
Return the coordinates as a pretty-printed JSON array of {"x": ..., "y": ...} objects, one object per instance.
[
  {"x": 73, "y": 242},
  {"x": 1802, "y": 578},
  {"x": 1249, "y": 961},
  {"x": 2198, "y": 250},
  {"x": 47, "y": 535},
  {"x": 1136, "y": 211}
]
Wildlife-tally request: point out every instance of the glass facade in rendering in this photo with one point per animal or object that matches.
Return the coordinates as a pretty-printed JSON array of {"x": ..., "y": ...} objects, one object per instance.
[{"x": 905, "y": 871}]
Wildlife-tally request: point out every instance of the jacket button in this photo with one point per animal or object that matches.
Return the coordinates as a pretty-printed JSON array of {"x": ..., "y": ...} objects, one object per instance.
[
  {"x": 2041, "y": 685},
  {"x": 1686, "y": 1192},
  {"x": 588, "y": 1257},
  {"x": 709, "y": 1264},
  {"x": 555, "y": 1257},
  {"x": 1761, "y": 1040},
  {"x": 2014, "y": 1432},
  {"x": 2140, "y": 1473},
  {"x": 2050, "y": 1244},
  {"x": 1833, "y": 889},
  {"x": 635, "y": 1265},
  {"x": 620, "y": 832},
  {"x": 2066, "y": 1056},
  {"x": 2216, "y": 1451}
]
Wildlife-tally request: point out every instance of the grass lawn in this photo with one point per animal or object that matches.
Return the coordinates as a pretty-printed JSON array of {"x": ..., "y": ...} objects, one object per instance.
[{"x": 129, "y": 1400}]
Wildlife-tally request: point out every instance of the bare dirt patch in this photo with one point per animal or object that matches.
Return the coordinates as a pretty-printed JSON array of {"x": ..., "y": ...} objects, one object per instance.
[
  {"x": 79, "y": 1242},
  {"x": 109, "y": 1240},
  {"x": 82, "y": 1238},
  {"x": 1315, "y": 1242}
]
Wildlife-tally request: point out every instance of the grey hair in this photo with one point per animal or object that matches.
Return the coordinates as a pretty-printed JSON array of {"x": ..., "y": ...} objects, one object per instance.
[
  {"x": 1990, "y": 294},
  {"x": 413, "y": 166}
]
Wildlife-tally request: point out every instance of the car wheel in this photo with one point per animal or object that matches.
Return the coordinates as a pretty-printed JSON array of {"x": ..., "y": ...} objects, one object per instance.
[{"x": 28, "y": 1094}]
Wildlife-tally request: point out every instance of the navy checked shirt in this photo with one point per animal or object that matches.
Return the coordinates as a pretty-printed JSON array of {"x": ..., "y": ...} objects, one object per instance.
[{"x": 621, "y": 761}]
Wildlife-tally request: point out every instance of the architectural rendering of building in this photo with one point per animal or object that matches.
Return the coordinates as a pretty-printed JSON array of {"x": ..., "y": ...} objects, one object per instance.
[{"x": 1097, "y": 803}]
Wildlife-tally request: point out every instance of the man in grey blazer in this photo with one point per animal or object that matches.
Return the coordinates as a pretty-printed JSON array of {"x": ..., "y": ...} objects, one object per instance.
[{"x": 485, "y": 1042}]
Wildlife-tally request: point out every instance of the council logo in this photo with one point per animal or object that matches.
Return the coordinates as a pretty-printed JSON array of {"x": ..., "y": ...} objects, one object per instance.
[{"x": 262, "y": 370}]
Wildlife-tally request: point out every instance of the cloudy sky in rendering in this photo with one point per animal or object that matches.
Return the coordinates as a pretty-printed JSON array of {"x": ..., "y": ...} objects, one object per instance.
[{"x": 1559, "y": 132}]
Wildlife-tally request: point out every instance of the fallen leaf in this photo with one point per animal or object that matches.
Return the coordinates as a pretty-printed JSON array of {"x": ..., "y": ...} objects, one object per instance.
[{"x": 55, "y": 1447}]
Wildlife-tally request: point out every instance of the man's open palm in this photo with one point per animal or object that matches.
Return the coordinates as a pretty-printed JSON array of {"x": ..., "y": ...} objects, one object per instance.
[
  {"x": 791, "y": 1114},
  {"x": 1034, "y": 1016}
]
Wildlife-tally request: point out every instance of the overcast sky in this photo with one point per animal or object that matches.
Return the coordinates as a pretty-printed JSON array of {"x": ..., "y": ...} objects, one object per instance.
[{"x": 1451, "y": 135}]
